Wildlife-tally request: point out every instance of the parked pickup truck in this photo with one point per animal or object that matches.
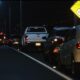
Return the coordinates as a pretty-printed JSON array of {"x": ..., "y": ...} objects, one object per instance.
[{"x": 34, "y": 36}]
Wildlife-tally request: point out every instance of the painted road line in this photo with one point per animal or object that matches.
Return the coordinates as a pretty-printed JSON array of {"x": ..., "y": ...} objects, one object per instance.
[{"x": 45, "y": 65}]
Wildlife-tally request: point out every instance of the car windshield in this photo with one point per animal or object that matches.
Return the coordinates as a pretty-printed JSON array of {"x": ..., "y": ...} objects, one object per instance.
[{"x": 67, "y": 34}]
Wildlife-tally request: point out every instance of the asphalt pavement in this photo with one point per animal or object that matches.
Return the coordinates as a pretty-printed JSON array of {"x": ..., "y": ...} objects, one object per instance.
[{"x": 16, "y": 66}]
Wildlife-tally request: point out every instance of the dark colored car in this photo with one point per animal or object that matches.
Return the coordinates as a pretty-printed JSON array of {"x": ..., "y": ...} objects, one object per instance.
[
  {"x": 51, "y": 52},
  {"x": 67, "y": 33},
  {"x": 14, "y": 40},
  {"x": 53, "y": 45},
  {"x": 64, "y": 56}
]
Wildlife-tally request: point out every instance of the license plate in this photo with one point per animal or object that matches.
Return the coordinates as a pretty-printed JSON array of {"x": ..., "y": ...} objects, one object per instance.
[
  {"x": 37, "y": 44},
  {"x": 16, "y": 43}
]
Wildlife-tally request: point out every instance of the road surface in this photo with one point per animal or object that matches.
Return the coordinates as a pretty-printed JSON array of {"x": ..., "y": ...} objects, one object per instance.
[{"x": 16, "y": 66}]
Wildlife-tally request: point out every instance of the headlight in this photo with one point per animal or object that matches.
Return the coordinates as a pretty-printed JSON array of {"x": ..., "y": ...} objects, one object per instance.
[{"x": 55, "y": 39}]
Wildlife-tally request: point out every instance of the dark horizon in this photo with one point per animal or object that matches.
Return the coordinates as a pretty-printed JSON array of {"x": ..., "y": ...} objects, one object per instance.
[{"x": 52, "y": 13}]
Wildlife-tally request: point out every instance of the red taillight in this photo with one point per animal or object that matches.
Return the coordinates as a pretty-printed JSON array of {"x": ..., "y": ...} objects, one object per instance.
[
  {"x": 1, "y": 33},
  {"x": 78, "y": 45},
  {"x": 56, "y": 50},
  {"x": 10, "y": 40}
]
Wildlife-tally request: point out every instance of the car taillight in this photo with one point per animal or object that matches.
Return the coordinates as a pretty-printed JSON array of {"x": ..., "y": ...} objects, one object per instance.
[
  {"x": 56, "y": 50},
  {"x": 78, "y": 45},
  {"x": 4, "y": 37},
  {"x": 55, "y": 39},
  {"x": 26, "y": 39},
  {"x": 1, "y": 33},
  {"x": 10, "y": 40}
]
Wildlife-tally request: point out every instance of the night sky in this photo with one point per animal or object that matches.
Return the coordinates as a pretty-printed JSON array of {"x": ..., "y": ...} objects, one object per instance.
[
  {"x": 49, "y": 12},
  {"x": 52, "y": 13}
]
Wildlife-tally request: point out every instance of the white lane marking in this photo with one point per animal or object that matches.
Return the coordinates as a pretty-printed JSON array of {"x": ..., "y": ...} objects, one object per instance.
[{"x": 43, "y": 64}]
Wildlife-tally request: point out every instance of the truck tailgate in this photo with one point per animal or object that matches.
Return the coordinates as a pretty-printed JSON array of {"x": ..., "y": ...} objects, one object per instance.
[{"x": 37, "y": 37}]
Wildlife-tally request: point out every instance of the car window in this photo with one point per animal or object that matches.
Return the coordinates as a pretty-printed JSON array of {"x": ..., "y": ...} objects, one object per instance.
[
  {"x": 36, "y": 30},
  {"x": 67, "y": 34}
]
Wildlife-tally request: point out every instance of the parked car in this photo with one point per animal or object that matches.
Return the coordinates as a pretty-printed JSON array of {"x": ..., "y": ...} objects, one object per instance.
[{"x": 34, "y": 36}]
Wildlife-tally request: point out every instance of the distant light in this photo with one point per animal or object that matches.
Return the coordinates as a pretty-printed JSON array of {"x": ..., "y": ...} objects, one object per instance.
[
  {"x": 54, "y": 67},
  {"x": 55, "y": 39},
  {"x": 74, "y": 27},
  {"x": 1, "y": 33},
  {"x": 4, "y": 37}
]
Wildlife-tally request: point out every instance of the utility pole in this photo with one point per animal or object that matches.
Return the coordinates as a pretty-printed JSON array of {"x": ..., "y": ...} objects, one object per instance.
[
  {"x": 9, "y": 19},
  {"x": 5, "y": 25},
  {"x": 20, "y": 17}
]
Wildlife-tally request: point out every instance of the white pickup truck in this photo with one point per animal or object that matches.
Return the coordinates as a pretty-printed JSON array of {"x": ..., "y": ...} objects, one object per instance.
[{"x": 35, "y": 36}]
